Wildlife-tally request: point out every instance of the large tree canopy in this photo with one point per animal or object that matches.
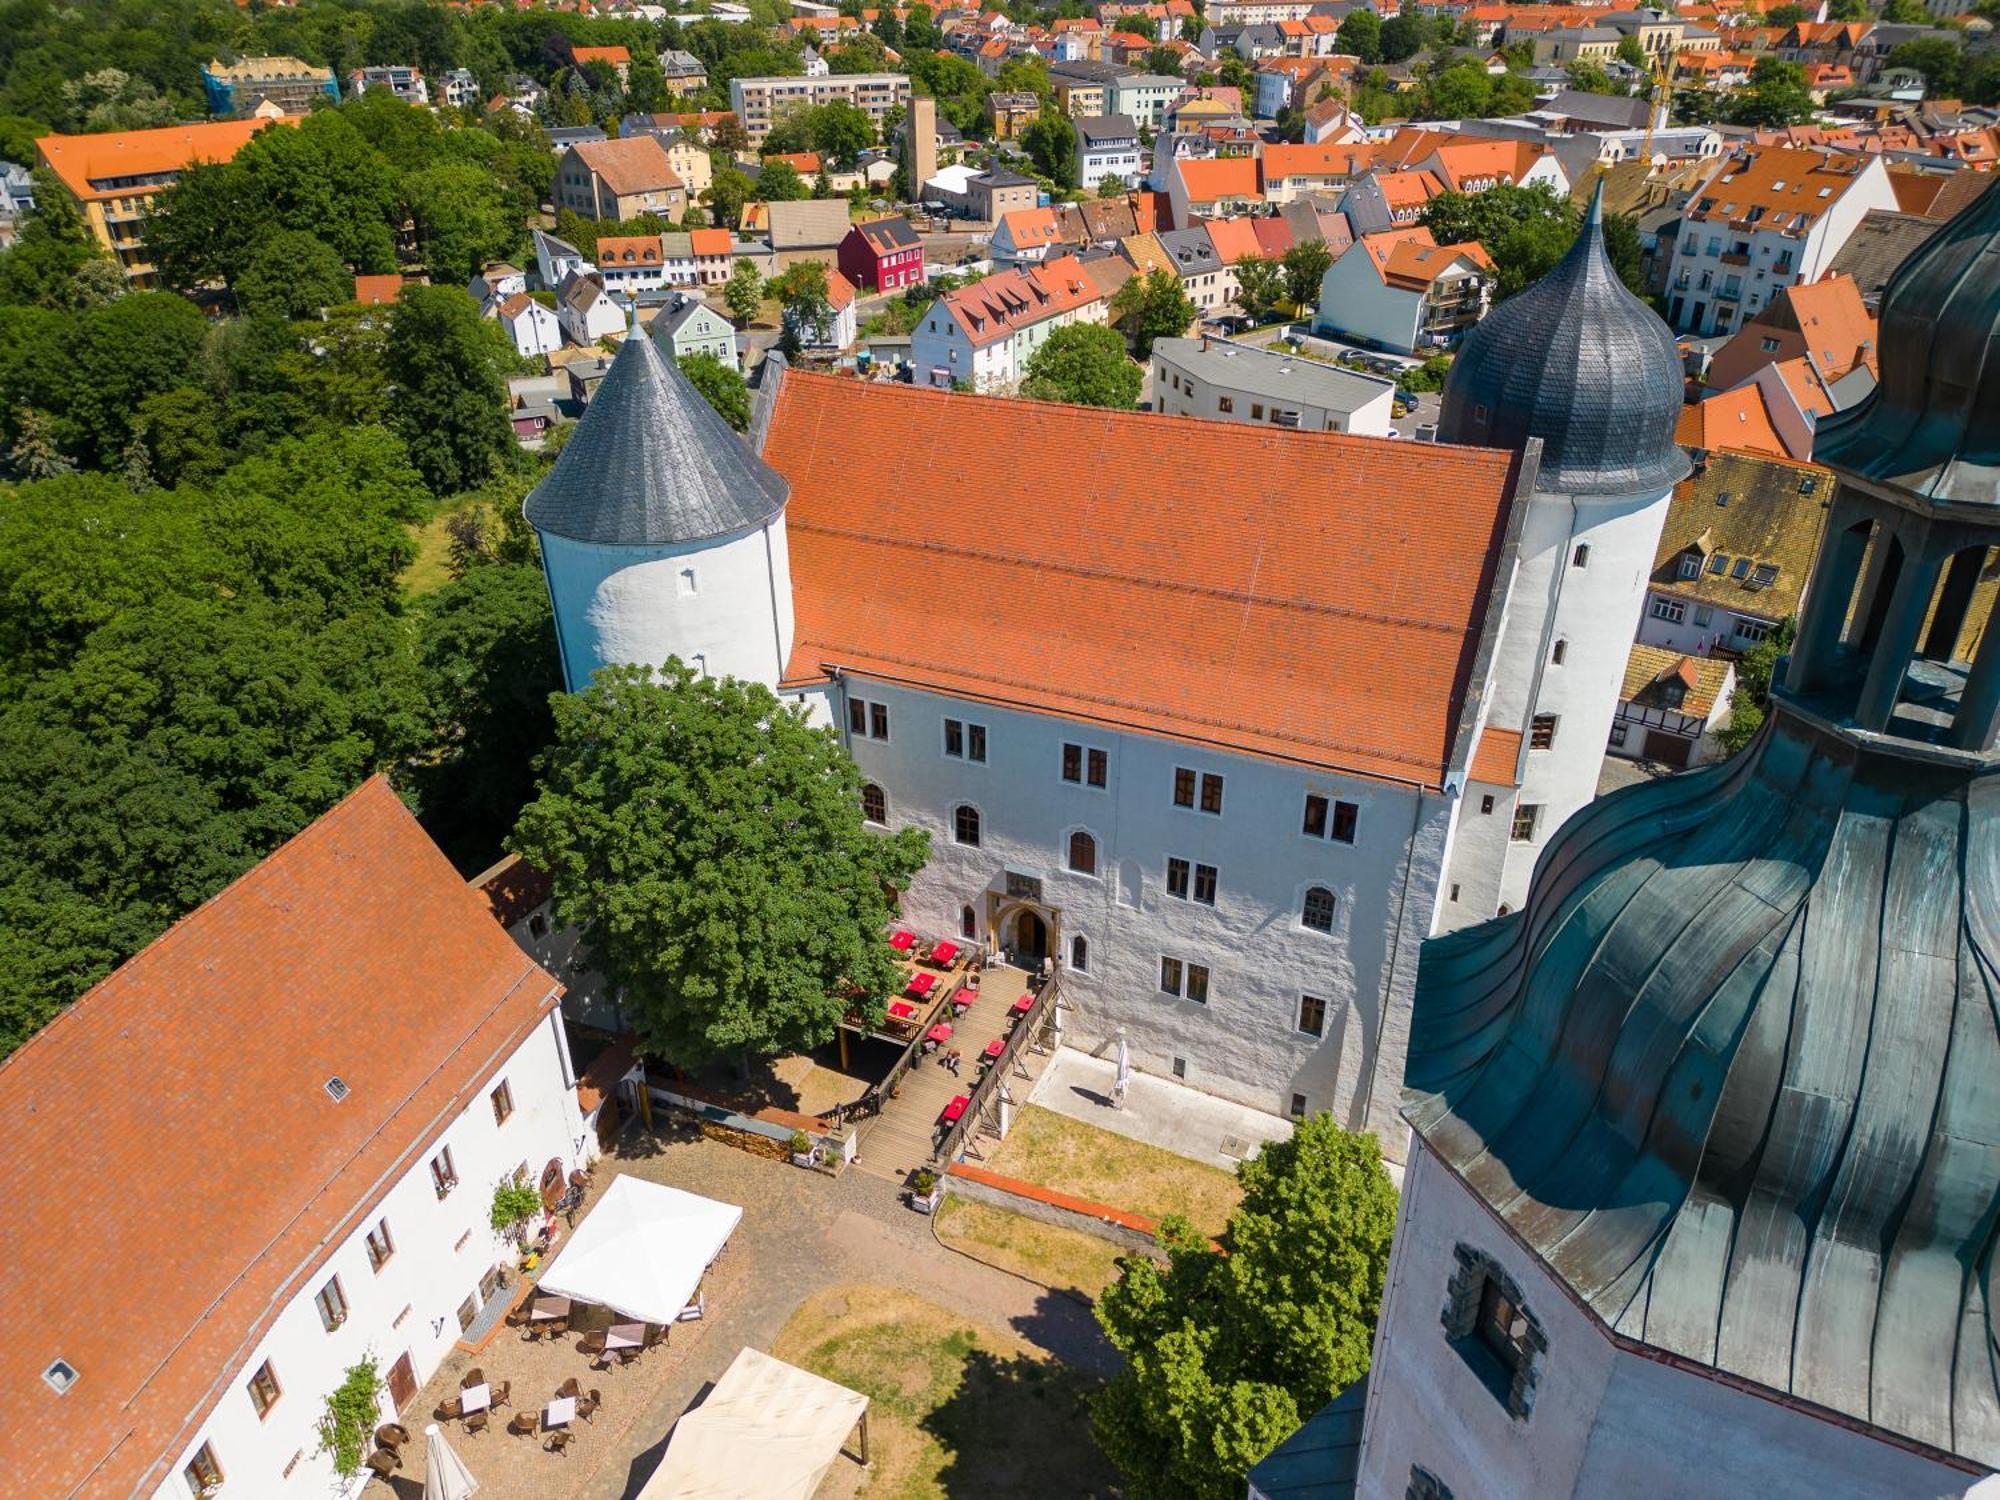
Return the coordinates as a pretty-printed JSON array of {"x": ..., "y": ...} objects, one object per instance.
[
  {"x": 708, "y": 842},
  {"x": 1228, "y": 1351},
  {"x": 1085, "y": 364}
]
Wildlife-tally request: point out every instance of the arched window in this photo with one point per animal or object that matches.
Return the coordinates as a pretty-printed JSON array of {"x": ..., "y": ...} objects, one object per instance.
[
  {"x": 1079, "y": 954},
  {"x": 968, "y": 924},
  {"x": 1082, "y": 853},
  {"x": 965, "y": 824},
  {"x": 1318, "y": 912},
  {"x": 874, "y": 806}
]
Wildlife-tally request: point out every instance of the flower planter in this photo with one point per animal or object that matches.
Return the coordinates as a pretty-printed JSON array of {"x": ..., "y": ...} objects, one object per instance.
[{"x": 805, "y": 1158}]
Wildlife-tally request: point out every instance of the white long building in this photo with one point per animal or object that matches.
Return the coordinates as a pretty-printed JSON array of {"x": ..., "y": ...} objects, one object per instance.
[
  {"x": 263, "y": 1151},
  {"x": 1223, "y": 720}
]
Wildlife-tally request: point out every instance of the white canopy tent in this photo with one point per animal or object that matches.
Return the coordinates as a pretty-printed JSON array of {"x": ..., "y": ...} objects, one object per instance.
[
  {"x": 642, "y": 1251},
  {"x": 768, "y": 1431}
]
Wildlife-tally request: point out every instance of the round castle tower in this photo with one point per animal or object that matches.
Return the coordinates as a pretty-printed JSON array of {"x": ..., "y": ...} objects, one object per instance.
[
  {"x": 662, "y": 533},
  {"x": 1579, "y": 363}
]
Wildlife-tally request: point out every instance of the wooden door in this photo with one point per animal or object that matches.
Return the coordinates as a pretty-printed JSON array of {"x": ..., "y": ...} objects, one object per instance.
[
  {"x": 1668, "y": 749},
  {"x": 402, "y": 1383}
]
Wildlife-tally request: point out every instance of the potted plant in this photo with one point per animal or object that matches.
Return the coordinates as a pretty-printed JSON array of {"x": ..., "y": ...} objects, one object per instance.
[
  {"x": 925, "y": 1190},
  {"x": 804, "y": 1152}
]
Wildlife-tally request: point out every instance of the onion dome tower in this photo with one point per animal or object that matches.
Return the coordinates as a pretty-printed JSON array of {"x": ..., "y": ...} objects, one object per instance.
[
  {"x": 1732, "y": 1074},
  {"x": 1583, "y": 380},
  {"x": 662, "y": 533}
]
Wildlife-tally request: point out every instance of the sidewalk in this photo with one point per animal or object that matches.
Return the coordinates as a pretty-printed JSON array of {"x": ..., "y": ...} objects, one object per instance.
[{"x": 1157, "y": 1111}]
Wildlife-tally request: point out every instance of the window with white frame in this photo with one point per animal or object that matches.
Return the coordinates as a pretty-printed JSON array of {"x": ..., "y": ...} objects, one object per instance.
[
  {"x": 1673, "y": 611},
  {"x": 1317, "y": 910},
  {"x": 1312, "y": 1015},
  {"x": 1184, "y": 980},
  {"x": 963, "y": 741},
  {"x": 380, "y": 1246},
  {"x": 965, "y": 825},
  {"x": 331, "y": 1301}
]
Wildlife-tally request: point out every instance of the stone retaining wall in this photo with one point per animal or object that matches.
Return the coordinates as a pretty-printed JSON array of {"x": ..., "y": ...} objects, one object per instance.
[{"x": 1063, "y": 1210}]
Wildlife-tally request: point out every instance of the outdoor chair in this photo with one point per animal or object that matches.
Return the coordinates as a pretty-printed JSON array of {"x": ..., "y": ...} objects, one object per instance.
[
  {"x": 557, "y": 1327},
  {"x": 523, "y": 1424},
  {"x": 475, "y": 1423},
  {"x": 384, "y": 1461},
  {"x": 447, "y": 1411},
  {"x": 502, "y": 1394},
  {"x": 586, "y": 1406},
  {"x": 558, "y": 1443},
  {"x": 473, "y": 1376},
  {"x": 569, "y": 1388},
  {"x": 391, "y": 1435}
]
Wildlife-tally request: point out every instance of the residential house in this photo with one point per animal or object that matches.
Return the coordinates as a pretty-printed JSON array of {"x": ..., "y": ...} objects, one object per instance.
[
  {"x": 808, "y": 229},
  {"x": 1284, "y": 172},
  {"x": 687, "y": 325},
  {"x": 586, "y": 309},
  {"x": 1084, "y": 87},
  {"x": 1380, "y": 201},
  {"x": 1563, "y": 45},
  {"x": 1234, "y": 240},
  {"x": 883, "y": 255},
  {"x": 295, "y": 87},
  {"x": 1472, "y": 164},
  {"x": 380, "y": 290},
  {"x": 982, "y": 336},
  {"x": 1012, "y": 112},
  {"x": 113, "y": 177},
  {"x": 531, "y": 418},
  {"x": 460, "y": 89},
  {"x": 17, "y": 198},
  {"x": 1880, "y": 243},
  {"x": 1671, "y": 707},
  {"x": 1107, "y": 147},
  {"x": 1740, "y": 419},
  {"x": 399, "y": 1056},
  {"x": 556, "y": 260},
  {"x": 584, "y": 374},
  {"x": 1229, "y": 382},
  {"x": 1735, "y": 553},
  {"x": 835, "y": 331},
  {"x": 631, "y": 263},
  {"x": 759, "y": 103},
  {"x": 617, "y": 59},
  {"x": 1767, "y": 218},
  {"x": 1197, "y": 186},
  {"x": 677, "y": 260},
  {"x": 532, "y": 328},
  {"x": 620, "y": 180},
  {"x": 685, "y": 72},
  {"x": 990, "y": 196},
  {"x": 562, "y": 137},
  {"x": 1401, "y": 290},
  {"x": 1025, "y": 236},
  {"x": 714, "y": 255},
  {"x": 688, "y": 160},
  {"x": 1146, "y": 99},
  {"x": 405, "y": 82},
  {"x": 1824, "y": 321},
  {"x": 1190, "y": 253}
]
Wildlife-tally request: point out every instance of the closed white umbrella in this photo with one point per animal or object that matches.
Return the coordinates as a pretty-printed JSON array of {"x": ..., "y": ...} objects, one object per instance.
[
  {"x": 445, "y": 1474},
  {"x": 1124, "y": 1069}
]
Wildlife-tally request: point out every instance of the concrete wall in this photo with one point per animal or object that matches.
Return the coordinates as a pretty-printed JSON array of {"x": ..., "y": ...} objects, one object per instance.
[
  {"x": 636, "y": 604},
  {"x": 442, "y": 1247}
]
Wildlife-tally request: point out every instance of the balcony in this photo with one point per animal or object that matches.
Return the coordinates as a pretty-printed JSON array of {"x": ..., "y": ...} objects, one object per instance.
[{"x": 1734, "y": 259}]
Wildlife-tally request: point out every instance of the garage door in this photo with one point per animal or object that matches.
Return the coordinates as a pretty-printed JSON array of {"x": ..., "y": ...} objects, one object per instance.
[{"x": 1668, "y": 749}]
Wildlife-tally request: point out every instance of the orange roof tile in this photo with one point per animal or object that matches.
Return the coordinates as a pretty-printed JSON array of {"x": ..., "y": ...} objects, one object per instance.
[
  {"x": 1472, "y": 165},
  {"x": 355, "y": 951},
  {"x": 84, "y": 160},
  {"x": 1281, "y": 162},
  {"x": 635, "y": 165},
  {"x": 1787, "y": 188},
  {"x": 612, "y": 55},
  {"x": 1008, "y": 301},
  {"x": 805, "y": 163},
  {"x": 1411, "y": 259},
  {"x": 1733, "y": 419},
  {"x": 1192, "y": 599},
  {"x": 1497, "y": 759},
  {"x": 1029, "y": 227},
  {"x": 839, "y": 291},
  {"x": 709, "y": 241},
  {"x": 629, "y": 250},
  {"x": 1233, "y": 239},
  {"x": 375, "y": 291},
  {"x": 1401, "y": 189},
  {"x": 1215, "y": 178}
]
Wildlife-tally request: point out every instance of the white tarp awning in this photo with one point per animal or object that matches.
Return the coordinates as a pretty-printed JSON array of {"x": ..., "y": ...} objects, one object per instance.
[
  {"x": 768, "y": 1431},
  {"x": 641, "y": 1252}
]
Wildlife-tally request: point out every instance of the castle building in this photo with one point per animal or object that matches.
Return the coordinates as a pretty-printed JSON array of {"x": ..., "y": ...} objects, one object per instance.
[
  {"x": 1703, "y": 1194},
  {"x": 1222, "y": 719}
]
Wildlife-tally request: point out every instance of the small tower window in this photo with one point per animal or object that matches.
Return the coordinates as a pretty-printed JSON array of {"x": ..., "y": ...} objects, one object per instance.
[
  {"x": 1581, "y": 557},
  {"x": 874, "y": 805},
  {"x": 1558, "y": 652},
  {"x": 1079, "y": 954},
  {"x": 689, "y": 585},
  {"x": 968, "y": 923},
  {"x": 965, "y": 825},
  {"x": 1317, "y": 912}
]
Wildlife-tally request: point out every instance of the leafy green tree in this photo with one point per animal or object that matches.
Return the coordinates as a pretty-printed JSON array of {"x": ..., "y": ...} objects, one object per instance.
[
  {"x": 1461, "y": 91},
  {"x": 463, "y": 220},
  {"x": 450, "y": 407},
  {"x": 804, "y": 294},
  {"x": 18, "y": 135},
  {"x": 292, "y": 274},
  {"x": 34, "y": 454},
  {"x": 1980, "y": 83},
  {"x": 1152, "y": 307},
  {"x": 1428, "y": 376},
  {"x": 1260, "y": 285},
  {"x": 1634, "y": 56},
  {"x": 1404, "y": 36},
  {"x": 743, "y": 293},
  {"x": 721, "y": 385},
  {"x": 324, "y": 176},
  {"x": 1849, "y": 10},
  {"x": 40, "y": 269},
  {"x": 920, "y": 28},
  {"x": 1360, "y": 35},
  {"x": 1051, "y": 144},
  {"x": 728, "y": 190},
  {"x": 1525, "y": 230},
  {"x": 1025, "y": 75},
  {"x": 888, "y": 29},
  {"x": 1940, "y": 61},
  {"x": 1587, "y": 77},
  {"x": 779, "y": 182},
  {"x": 182, "y": 441},
  {"x": 1776, "y": 96},
  {"x": 1228, "y": 1351},
  {"x": 1752, "y": 694},
  {"x": 1305, "y": 268},
  {"x": 96, "y": 282},
  {"x": 754, "y": 920},
  {"x": 1084, "y": 364},
  {"x": 120, "y": 354},
  {"x": 840, "y": 132},
  {"x": 1906, "y": 13}
]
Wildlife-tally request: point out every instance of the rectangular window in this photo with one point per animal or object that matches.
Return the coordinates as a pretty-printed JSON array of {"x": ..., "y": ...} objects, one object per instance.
[
  {"x": 1183, "y": 787},
  {"x": 263, "y": 1389},
  {"x": 380, "y": 1246},
  {"x": 1100, "y": 768},
  {"x": 1690, "y": 565},
  {"x": 1752, "y": 631},
  {"x": 954, "y": 738},
  {"x": 975, "y": 743},
  {"x": 1204, "y": 884},
  {"x": 503, "y": 1103},
  {"x": 1298, "y": 1106},
  {"x": 1581, "y": 557},
  {"x": 1177, "y": 879},
  {"x": 1542, "y": 732},
  {"x": 1486, "y": 803},
  {"x": 1703, "y": 614},
  {"x": 444, "y": 1175},
  {"x": 1312, "y": 1015},
  {"x": 1197, "y": 984},
  {"x": 1256, "y": 411},
  {"x": 857, "y": 716},
  {"x": 1317, "y": 808},
  {"x": 1673, "y": 611},
  {"x": 332, "y": 1304},
  {"x": 878, "y": 721},
  {"x": 1618, "y": 735},
  {"x": 1211, "y": 792},
  {"x": 1526, "y": 818},
  {"x": 1718, "y": 564},
  {"x": 1223, "y": 403},
  {"x": 1170, "y": 976},
  {"x": 1072, "y": 763},
  {"x": 1346, "y": 821},
  {"x": 203, "y": 1473}
]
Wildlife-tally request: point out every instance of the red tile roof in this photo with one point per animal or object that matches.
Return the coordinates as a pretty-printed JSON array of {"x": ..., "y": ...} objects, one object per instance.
[
  {"x": 376, "y": 290},
  {"x": 1233, "y": 239},
  {"x": 1212, "y": 179},
  {"x": 185, "y": 1168},
  {"x": 84, "y": 160},
  {"x": 629, "y": 250},
  {"x": 1497, "y": 759},
  {"x": 709, "y": 241},
  {"x": 636, "y": 165},
  {"x": 1007, "y": 301},
  {"x": 1192, "y": 598}
]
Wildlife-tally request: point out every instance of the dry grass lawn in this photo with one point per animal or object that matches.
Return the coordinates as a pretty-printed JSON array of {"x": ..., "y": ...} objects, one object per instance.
[
  {"x": 431, "y": 569},
  {"x": 1054, "y": 1151},
  {"x": 1067, "y": 1259},
  {"x": 955, "y": 1408}
]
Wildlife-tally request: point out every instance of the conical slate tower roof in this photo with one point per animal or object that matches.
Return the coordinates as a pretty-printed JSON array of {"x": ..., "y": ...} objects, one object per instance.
[
  {"x": 1932, "y": 423},
  {"x": 1579, "y": 362},
  {"x": 651, "y": 464}
]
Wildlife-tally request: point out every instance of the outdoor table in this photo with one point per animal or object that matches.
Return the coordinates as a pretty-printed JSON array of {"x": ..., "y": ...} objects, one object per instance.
[
  {"x": 922, "y": 984},
  {"x": 901, "y": 1010},
  {"x": 626, "y": 1336},
  {"x": 902, "y": 941},
  {"x": 943, "y": 954},
  {"x": 995, "y": 1047},
  {"x": 474, "y": 1398},
  {"x": 1023, "y": 1005},
  {"x": 961, "y": 1001},
  {"x": 940, "y": 1033},
  {"x": 958, "y": 1106},
  {"x": 549, "y": 1307},
  {"x": 560, "y": 1413}
]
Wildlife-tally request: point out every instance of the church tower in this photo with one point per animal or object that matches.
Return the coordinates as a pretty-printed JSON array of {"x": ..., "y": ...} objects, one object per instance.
[
  {"x": 662, "y": 533},
  {"x": 1582, "y": 367}
]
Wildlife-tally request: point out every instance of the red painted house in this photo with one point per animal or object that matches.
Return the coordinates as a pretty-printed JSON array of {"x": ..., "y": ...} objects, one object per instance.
[{"x": 884, "y": 254}]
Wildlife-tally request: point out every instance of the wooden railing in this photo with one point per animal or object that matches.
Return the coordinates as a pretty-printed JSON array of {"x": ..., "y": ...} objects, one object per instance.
[{"x": 986, "y": 1093}]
